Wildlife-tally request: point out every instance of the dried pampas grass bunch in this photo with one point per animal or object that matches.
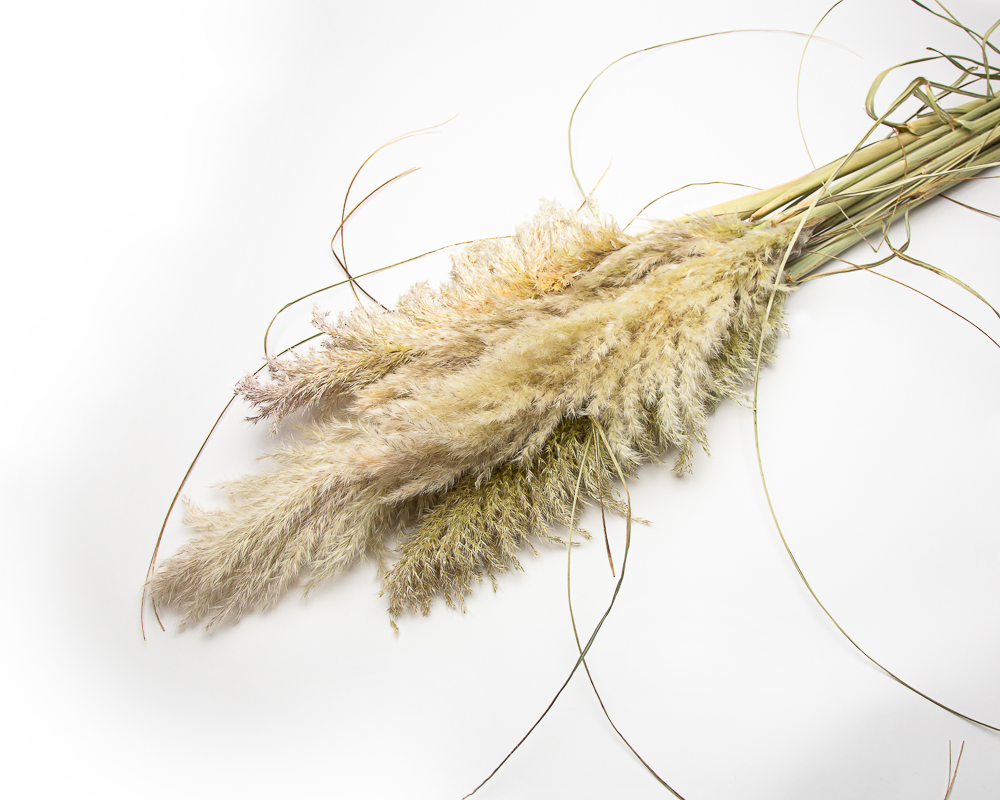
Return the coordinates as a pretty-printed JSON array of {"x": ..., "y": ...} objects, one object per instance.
[
  {"x": 464, "y": 423},
  {"x": 458, "y": 420}
]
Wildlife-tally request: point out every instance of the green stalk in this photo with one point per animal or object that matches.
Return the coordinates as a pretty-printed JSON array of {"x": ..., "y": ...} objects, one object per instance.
[
  {"x": 760, "y": 204},
  {"x": 927, "y": 158},
  {"x": 839, "y": 241},
  {"x": 861, "y": 194}
]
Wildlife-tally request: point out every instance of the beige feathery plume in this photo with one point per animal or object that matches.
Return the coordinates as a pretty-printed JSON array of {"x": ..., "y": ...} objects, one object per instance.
[{"x": 459, "y": 420}]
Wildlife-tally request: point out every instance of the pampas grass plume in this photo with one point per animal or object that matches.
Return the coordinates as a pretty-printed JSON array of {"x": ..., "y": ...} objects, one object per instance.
[{"x": 459, "y": 421}]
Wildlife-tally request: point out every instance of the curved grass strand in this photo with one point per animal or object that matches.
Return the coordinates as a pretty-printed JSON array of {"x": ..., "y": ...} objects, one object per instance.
[
  {"x": 593, "y": 191},
  {"x": 956, "y": 62},
  {"x": 569, "y": 131},
  {"x": 903, "y": 256},
  {"x": 916, "y": 83},
  {"x": 986, "y": 58},
  {"x": 830, "y": 616},
  {"x": 936, "y": 302},
  {"x": 802, "y": 576},
  {"x": 173, "y": 503},
  {"x": 682, "y": 188},
  {"x": 340, "y": 230},
  {"x": 344, "y": 216},
  {"x": 590, "y": 641},
  {"x": 952, "y": 20},
  {"x": 953, "y": 774},
  {"x": 871, "y": 268},
  {"x": 572, "y": 617},
  {"x": 982, "y": 39},
  {"x": 971, "y": 208},
  {"x": 798, "y": 81}
]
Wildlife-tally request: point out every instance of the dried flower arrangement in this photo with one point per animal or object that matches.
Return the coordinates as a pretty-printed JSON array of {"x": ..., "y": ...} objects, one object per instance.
[
  {"x": 468, "y": 420},
  {"x": 459, "y": 418}
]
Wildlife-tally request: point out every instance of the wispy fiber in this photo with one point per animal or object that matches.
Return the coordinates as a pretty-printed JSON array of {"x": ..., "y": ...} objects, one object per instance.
[{"x": 458, "y": 420}]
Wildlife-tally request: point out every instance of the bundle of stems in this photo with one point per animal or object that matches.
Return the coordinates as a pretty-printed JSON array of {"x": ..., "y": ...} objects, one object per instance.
[
  {"x": 469, "y": 419},
  {"x": 848, "y": 200}
]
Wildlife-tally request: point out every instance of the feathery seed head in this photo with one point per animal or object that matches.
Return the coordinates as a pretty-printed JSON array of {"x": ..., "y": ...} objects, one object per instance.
[{"x": 461, "y": 418}]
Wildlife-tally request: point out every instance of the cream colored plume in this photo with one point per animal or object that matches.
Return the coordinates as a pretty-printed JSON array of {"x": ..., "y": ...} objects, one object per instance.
[{"x": 460, "y": 420}]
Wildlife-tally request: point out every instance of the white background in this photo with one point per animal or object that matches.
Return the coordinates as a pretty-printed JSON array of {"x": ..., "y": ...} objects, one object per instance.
[{"x": 173, "y": 174}]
